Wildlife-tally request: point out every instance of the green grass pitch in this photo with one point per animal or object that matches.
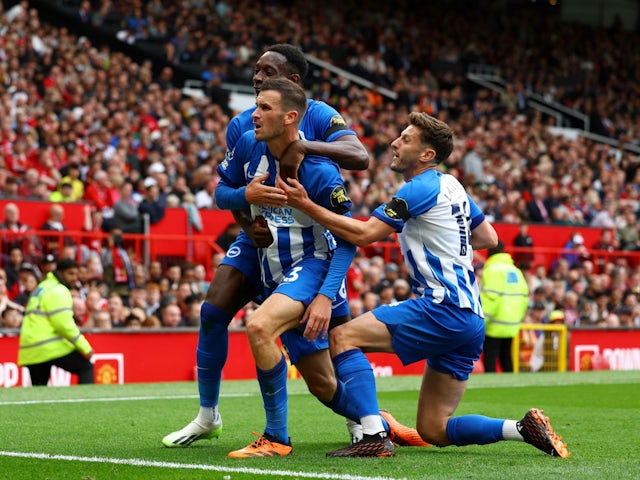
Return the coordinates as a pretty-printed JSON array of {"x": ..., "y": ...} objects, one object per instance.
[{"x": 105, "y": 432}]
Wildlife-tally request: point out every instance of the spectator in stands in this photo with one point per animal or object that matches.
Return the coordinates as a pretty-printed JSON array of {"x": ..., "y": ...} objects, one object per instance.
[
  {"x": 401, "y": 290},
  {"x": 102, "y": 320},
  {"x": 155, "y": 271},
  {"x": 95, "y": 301},
  {"x": 5, "y": 301},
  {"x": 64, "y": 193},
  {"x": 627, "y": 231},
  {"x": 102, "y": 195},
  {"x": 48, "y": 264},
  {"x": 171, "y": 317},
  {"x": 154, "y": 296},
  {"x": 538, "y": 208},
  {"x": 204, "y": 198},
  {"x": 93, "y": 224},
  {"x": 523, "y": 258},
  {"x": 152, "y": 321},
  {"x": 117, "y": 309},
  {"x": 10, "y": 189},
  {"x": 73, "y": 177},
  {"x": 125, "y": 210},
  {"x": 173, "y": 275},
  {"x": 80, "y": 312},
  {"x": 154, "y": 201},
  {"x": 11, "y": 266},
  {"x": 14, "y": 233},
  {"x": 200, "y": 285},
  {"x": 192, "y": 315},
  {"x": 370, "y": 300},
  {"x": 51, "y": 244},
  {"x": 11, "y": 318},
  {"x": 116, "y": 265},
  {"x": 133, "y": 322},
  {"x": 28, "y": 282},
  {"x": 575, "y": 250}
]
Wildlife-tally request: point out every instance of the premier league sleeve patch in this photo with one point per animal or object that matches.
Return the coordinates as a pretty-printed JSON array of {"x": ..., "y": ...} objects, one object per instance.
[
  {"x": 339, "y": 196},
  {"x": 397, "y": 209},
  {"x": 339, "y": 199},
  {"x": 336, "y": 124}
]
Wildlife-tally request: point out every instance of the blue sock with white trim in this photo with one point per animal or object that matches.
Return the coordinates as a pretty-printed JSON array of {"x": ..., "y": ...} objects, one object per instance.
[{"x": 474, "y": 430}]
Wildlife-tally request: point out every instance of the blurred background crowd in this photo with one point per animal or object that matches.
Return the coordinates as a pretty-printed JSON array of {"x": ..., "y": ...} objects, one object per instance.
[{"x": 84, "y": 119}]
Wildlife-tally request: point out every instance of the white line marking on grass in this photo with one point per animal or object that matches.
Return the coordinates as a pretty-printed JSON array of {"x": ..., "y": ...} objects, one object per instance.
[
  {"x": 115, "y": 399},
  {"x": 189, "y": 466}
]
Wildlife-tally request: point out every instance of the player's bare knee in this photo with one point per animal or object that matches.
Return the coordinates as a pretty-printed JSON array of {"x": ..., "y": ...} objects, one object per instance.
[
  {"x": 434, "y": 436},
  {"x": 338, "y": 339},
  {"x": 259, "y": 329}
]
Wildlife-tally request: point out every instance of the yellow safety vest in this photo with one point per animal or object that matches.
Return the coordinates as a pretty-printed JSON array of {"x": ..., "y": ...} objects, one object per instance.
[
  {"x": 505, "y": 296},
  {"x": 48, "y": 329}
]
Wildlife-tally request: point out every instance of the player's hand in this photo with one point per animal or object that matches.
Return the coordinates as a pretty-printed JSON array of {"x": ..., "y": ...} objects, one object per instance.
[
  {"x": 296, "y": 195},
  {"x": 317, "y": 317},
  {"x": 259, "y": 232},
  {"x": 257, "y": 193},
  {"x": 88, "y": 355},
  {"x": 291, "y": 160}
]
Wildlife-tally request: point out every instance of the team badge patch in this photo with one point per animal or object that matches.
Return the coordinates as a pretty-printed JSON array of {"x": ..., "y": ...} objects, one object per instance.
[
  {"x": 397, "y": 209},
  {"x": 339, "y": 196},
  {"x": 338, "y": 121},
  {"x": 233, "y": 252}
]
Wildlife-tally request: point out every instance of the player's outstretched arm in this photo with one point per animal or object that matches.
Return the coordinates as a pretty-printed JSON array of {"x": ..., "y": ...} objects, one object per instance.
[
  {"x": 347, "y": 151},
  {"x": 358, "y": 232}
]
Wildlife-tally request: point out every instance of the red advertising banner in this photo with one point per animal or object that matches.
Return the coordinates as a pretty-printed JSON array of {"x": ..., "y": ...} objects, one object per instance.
[
  {"x": 162, "y": 356},
  {"x": 170, "y": 356},
  {"x": 603, "y": 349}
]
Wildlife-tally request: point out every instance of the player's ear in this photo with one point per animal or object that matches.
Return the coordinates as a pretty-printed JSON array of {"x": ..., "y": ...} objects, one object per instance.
[
  {"x": 290, "y": 117},
  {"x": 428, "y": 154},
  {"x": 295, "y": 78}
]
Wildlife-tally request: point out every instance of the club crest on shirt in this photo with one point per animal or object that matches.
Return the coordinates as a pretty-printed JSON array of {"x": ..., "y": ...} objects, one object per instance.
[
  {"x": 397, "y": 209},
  {"x": 337, "y": 121},
  {"x": 339, "y": 196}
]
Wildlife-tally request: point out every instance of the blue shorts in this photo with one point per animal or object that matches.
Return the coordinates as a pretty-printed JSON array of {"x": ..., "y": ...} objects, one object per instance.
[
  {"x": 450, "y": 338},
  {"x": 243, "y": 256},
  {"x": 302, "y": 283},
  {"x": 298, "y": 347}
]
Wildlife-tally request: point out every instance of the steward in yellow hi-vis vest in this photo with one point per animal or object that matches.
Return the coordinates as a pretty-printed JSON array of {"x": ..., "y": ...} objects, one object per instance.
[
  {"x": 49, "y": 335},
  {"x": 505, "y": 297}
]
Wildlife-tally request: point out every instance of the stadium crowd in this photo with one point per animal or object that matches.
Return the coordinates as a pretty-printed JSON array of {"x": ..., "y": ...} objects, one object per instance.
[{"x": 84, "y": 122}]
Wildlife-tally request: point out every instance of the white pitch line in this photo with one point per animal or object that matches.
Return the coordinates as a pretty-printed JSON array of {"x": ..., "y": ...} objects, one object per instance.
[
  {"x": 188, "y": 466},
  {"x": 115, "y": 399}
]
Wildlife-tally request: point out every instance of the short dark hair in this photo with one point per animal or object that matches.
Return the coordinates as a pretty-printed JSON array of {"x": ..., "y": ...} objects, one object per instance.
[
  {"x": 66, "y": 264},
  {"x": 295, "y": 58},
  {"x": 293, "y": 96},
  {"x": 435, "y": 133}
]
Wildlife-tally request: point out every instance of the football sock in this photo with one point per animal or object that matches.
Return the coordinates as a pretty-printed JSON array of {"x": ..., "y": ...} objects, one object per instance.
[
  {"x": 211, "y": 354},
  {"x": 207, "y": 415},
  {"x": 341, "y": 404},
  {"x": 474, "y": 429},
  {"x": 353, "y": 368},
  {"x": 273, "y": 385},
  {"x": 510, "y": 431}
]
